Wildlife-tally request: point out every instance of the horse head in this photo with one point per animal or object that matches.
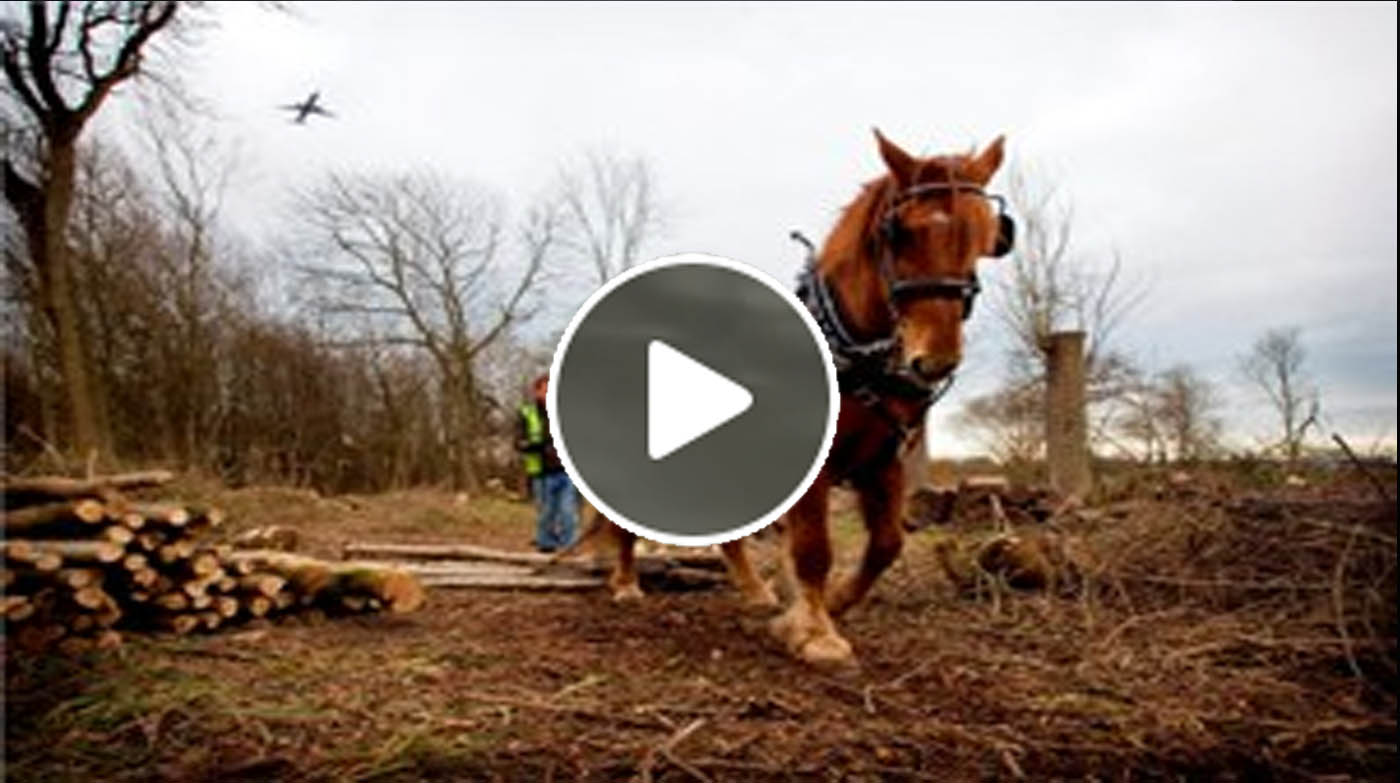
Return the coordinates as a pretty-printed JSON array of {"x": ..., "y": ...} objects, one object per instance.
[{"x": 904, "y": 256}]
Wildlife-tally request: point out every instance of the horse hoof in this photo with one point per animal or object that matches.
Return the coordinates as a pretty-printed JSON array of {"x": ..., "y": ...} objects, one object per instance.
[
  {"x": 761, "y": 598},
  {"x": 827, "y": 650},
  {"x": 627, "y": 594},
  {"x": 789, "y": 629}
]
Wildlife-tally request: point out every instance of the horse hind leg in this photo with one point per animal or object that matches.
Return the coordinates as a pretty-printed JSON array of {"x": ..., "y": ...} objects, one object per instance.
[
  {"x": 757, "y": 593},
  {"x": 806, "y": 628},
  {"x": 595, "y": 524},
  {"x": 623, "y": 580},
  {"x": 881, "y": 499}
]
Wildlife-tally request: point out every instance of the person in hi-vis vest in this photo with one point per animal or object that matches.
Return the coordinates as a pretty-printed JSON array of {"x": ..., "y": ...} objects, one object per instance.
[{"x": 555, "y": 497}]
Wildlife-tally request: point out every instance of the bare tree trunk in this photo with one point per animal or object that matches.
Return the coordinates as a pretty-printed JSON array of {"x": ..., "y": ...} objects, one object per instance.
[
  {"x": 1066, "y": 430},
  {"x": 52, "y": 256}
]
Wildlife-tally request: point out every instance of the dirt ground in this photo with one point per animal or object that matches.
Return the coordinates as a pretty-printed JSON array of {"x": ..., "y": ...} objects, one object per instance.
[{"x": 1124, "y": 683}]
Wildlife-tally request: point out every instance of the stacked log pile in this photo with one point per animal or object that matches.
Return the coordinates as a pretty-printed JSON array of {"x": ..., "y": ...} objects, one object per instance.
[
  {"x": 485, "y": 568},
  {"x": 84, "y": 560}
]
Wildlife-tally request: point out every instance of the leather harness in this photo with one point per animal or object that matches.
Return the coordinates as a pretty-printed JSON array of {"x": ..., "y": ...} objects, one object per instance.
[{"x": 872, "y": 370}]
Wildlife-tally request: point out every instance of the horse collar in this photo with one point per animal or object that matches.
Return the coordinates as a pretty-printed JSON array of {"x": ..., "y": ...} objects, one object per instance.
[{"x": 867, "y": 370}]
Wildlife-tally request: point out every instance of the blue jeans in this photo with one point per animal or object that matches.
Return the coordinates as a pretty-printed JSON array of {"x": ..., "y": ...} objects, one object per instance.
[{"x": 557, "y": 501}]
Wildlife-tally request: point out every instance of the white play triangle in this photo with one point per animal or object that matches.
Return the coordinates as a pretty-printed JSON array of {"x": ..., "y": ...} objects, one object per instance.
[{"x": 686, "y": 399}]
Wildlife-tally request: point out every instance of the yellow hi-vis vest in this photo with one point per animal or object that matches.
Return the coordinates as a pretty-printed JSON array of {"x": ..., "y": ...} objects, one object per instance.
[{"x": 534, "y": 435}]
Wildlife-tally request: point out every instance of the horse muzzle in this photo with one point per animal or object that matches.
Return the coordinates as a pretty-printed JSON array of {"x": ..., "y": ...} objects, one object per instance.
[{"x": 932, "y": 369}]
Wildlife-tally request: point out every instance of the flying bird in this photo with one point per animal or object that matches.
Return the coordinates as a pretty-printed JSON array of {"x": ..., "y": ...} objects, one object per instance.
[{"x": 306, "y": 108}]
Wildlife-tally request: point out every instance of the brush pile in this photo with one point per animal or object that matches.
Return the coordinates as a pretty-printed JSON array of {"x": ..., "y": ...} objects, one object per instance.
[{"x": 85, "y": 558}]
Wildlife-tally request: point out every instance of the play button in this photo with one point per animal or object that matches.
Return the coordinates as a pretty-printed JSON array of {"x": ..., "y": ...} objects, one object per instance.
[
  {"x": 686, "y": 399},
  {"x": 692, "y": 399}
]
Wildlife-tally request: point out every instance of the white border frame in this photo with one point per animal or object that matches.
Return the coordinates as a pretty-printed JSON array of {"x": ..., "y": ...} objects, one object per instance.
[{"x": 832, "y": 391}]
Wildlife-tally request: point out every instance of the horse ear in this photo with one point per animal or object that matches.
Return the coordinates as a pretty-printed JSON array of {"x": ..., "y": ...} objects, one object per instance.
[
  {"x": 985, "y": 165},
  {"x": 900, "y": 163}
]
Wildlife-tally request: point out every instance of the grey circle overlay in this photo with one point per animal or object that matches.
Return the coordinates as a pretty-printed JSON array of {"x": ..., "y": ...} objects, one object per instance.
[{"x": 732, "y": 480}]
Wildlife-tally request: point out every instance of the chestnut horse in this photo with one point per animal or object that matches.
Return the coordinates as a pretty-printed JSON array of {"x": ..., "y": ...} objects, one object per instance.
[
  {"x": 893, "y": 284},
  {"x": 891, "y": 288}
]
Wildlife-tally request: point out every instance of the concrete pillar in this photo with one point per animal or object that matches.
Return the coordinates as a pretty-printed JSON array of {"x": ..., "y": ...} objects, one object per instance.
[{"x": 1066, "y": 422}]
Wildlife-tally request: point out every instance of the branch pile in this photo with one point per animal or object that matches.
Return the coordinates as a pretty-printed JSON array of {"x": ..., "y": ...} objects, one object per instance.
[{"x": 84, "y": 559}]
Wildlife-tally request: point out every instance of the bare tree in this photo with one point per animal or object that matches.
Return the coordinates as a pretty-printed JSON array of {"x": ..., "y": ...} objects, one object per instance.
[
  {"x": 1138, "y": 421},
  {"x": 1186, "y": 404},
  {"x": 1274, "y": 364},
  {"x": 414, "y": 260},
  {"x": 1010, "y": 423},
  {"x": 61, "y": 64},
  {"x": 611, "y": 208},
  {"x": 1050, "y": 288}
]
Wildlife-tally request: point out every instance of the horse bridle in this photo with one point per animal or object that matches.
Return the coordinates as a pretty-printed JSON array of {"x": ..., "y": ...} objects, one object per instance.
[
  {"x": 963, "y": 289},
  {"x": 851, "y": 352}
]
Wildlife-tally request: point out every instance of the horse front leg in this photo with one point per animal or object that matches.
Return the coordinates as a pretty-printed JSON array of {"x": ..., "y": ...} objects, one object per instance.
[
  {"x": 881, "y": 503},
  {"x": 806, "y": 627},
  {"x": 757, "y": 593}
]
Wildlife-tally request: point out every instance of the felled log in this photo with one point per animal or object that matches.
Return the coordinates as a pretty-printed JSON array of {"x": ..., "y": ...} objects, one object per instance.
[
  {"x": 91, "y": 598},
  {"x": 202, "y": 565},
  {"x": 18, "y": 491},
  {"x": 226, "y": 606},
  {"x": 73, "y": 551},
  {"x": 21, "y": 553},
  {"x": 181, "y": 623},
  {"x": 698, "y": 559},
  {"x": 168, "y": 514},
  {"x": 117, "y": 534},
  {"x": 128, "y": 519},
  {"x": 457, "y": 567},
  {"x": 173, "y": 602},
  {"x": 204, "y": 516},
  {"x": 150, "y": 541},
  {"x": 196, "y": 587},
  {"x": 67, "y": 515},
  {"x": 399, "y": 590},
  {"x": 281, "y": 539},
  {"x": 30, "y": 580},
  {"x": 267, "y": 585},
  {"x": 16, "y": 607},
  {"x": 175, "y": 551},
  {"x": 486, "y": 581}
]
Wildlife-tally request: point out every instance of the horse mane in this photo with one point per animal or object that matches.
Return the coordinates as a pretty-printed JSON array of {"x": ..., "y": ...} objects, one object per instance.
[{"x": 856, "y": 225}]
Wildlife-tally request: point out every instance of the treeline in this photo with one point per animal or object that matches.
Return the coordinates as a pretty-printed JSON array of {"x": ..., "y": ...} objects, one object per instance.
[
  {"x": 196, "y": 360},
  {"x": 380, "y": 338}
]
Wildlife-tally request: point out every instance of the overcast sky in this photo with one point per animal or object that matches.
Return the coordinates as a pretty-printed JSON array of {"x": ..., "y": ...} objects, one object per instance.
[{"x": 1241, "y": 158}]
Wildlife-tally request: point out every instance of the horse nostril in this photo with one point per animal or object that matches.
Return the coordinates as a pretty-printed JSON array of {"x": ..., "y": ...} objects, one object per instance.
[{"x": 932, "y": 368}]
